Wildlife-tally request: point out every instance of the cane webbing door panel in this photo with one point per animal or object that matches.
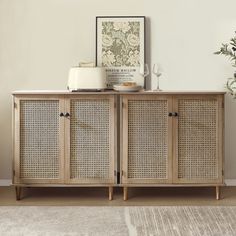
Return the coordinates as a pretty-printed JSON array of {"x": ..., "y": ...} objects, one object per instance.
[
  {"x": 90, "y": 146},
  {"x": 146, "y": 139},
  {"x": 39, "y": 133},
  {"x": 198, "y": 139}
]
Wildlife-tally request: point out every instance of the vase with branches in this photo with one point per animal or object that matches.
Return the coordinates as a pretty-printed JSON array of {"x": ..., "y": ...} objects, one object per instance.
[{"x": 229, "y": 50}]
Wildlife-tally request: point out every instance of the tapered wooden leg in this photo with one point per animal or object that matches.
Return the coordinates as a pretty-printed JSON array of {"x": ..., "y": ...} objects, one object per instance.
[
  {"x": 18, "y": 193},
  {"x": 125, "y": 193},
  {"x": 110, "y": 193},
  {"x": 217, "y": 192}
]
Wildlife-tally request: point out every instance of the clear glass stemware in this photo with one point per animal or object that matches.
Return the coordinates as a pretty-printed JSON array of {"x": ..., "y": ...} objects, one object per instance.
[
  {"x": 144, "y": 71},
  {"x": 157, "y": 71}
]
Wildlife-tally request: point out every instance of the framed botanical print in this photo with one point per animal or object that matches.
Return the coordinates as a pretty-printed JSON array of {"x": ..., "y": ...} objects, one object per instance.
[{"x": 120, "y": 47}]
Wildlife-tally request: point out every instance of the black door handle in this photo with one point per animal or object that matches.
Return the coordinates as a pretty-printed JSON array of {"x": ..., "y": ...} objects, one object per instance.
[
  {"x": 67, "y": 114},
  {"x": 173, "y": 114}
]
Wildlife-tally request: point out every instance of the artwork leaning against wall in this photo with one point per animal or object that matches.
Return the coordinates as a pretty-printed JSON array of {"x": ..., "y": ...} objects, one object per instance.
[{"x": 120, "y": 47}]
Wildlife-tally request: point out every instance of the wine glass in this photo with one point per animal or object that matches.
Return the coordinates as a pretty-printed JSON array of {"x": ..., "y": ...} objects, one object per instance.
[
  {"x": 157, "y": 71},
  {"x": 144, "y": 70}
]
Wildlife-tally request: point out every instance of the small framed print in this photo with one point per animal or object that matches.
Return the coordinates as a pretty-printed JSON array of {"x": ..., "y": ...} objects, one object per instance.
[{"x": 120, "y": 47}]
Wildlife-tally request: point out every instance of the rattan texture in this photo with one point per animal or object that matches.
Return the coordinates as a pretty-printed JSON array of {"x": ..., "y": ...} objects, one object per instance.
[
  {"x": 197, "y": 139},
  {"x": 39, "y": 139},
  {"x": 89, "y": 139},
  {"x": 147, "y": 139}
]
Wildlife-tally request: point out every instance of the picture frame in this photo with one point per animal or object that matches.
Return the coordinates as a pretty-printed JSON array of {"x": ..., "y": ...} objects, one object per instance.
[{"x": 120, "y": 48}]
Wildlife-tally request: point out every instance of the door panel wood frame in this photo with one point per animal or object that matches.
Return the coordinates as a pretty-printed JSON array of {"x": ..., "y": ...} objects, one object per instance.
[
  {"x": 124, "y": 138},
  {"x": 16, "y": 139},
  {"x": 112, "y": 129},
  {"x": 219, "y": 141}
]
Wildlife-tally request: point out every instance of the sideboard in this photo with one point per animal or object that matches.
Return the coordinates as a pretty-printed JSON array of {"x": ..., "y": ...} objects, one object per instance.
[{"x": 168, "y": 138}]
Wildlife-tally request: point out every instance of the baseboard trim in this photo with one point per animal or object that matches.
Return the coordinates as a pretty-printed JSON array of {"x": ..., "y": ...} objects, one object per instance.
[
  {"x": 7, "y": 182},
  {"x": 230, "y": 182}
]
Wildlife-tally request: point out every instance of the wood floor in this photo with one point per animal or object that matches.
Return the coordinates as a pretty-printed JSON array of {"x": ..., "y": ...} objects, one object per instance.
[{"x": 136, "y": 196}]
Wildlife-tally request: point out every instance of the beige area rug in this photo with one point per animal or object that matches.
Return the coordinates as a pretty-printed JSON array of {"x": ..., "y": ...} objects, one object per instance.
[{"x": 119, "y": 221}]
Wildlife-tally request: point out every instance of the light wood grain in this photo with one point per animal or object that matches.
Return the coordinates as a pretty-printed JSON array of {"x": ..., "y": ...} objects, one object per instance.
[
  {"x": 16, "y": 141},
  {"x": 217, "y": 192},
  {"x": 18, "y": 192},
  {"x": 138, "y": 196},
  {"x": 110, "y": 193},
  {"x": 119, "y": 140},
  {"x": 125, "y": 189},
  {"x": 124, "y": 135},
  {"x": 164, "y": 92}
]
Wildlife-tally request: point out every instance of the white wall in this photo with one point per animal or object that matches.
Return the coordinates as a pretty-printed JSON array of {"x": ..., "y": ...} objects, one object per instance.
[{"x": 41, "y": 39}]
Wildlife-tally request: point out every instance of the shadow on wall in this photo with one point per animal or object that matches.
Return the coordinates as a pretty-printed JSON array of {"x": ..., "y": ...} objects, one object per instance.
[
  {"x": 230, "y": 136},
  {"x": 148, "y": 51},
  {"x": 6, "y": 139}
]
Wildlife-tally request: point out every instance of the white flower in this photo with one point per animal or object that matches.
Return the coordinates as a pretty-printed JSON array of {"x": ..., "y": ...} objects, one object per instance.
[
  {"x": 106, "y": 40},
  {"x": 134, "y": 58},
  {"x": 108, "y": 58},
  {"x": 123, "y": 26},
  {"x": 133, "y": 40}
]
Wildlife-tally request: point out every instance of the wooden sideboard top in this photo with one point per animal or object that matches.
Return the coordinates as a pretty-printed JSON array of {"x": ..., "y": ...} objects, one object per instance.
[{"x": 66, "y": 92}]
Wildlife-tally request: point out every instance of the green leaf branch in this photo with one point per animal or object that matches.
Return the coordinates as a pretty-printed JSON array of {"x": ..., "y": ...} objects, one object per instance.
[{"x": 229, "y": 50}]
